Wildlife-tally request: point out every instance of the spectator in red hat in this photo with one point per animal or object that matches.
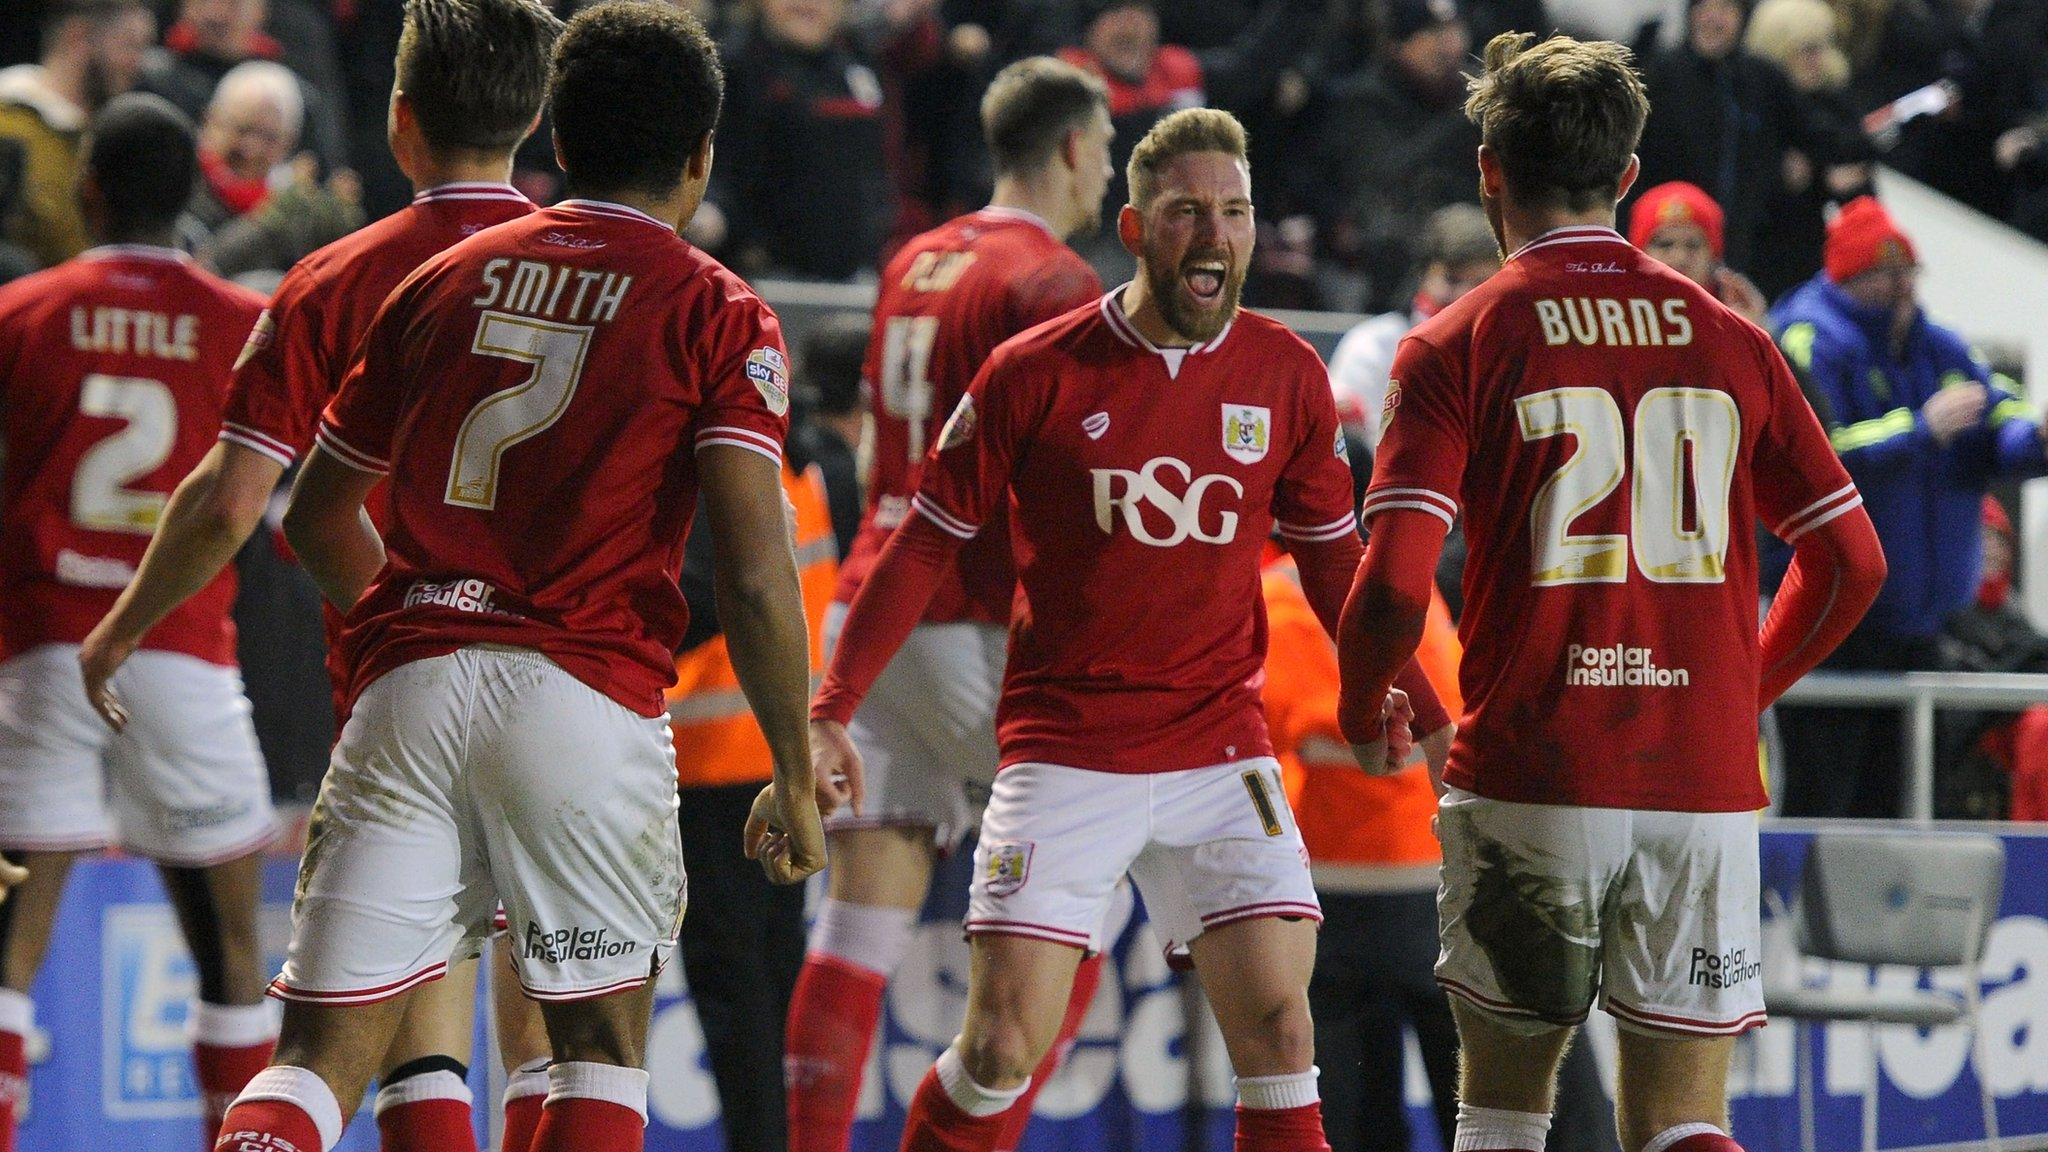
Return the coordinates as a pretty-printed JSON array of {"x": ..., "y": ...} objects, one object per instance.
[
  {"x": 1681, "y": 225},
  {"x": 1924, "y": 427}
]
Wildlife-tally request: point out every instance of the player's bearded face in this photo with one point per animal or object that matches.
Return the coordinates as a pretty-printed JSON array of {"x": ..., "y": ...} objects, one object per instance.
[{"x": 1198, "y": 242}]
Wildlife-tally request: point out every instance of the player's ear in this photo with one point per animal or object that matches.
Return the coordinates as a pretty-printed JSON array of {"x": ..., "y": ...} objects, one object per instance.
[
  {"x": 1070, "y": 149},
  {"x": 698, "y": 167},
  {"x": 1130, "y": 228},
  {"x": 92, "y": 203},
  {"x": 1490, "y": 178},
  {"x": 1628, "y": 177},
  {"x": 555, "y": 138}
]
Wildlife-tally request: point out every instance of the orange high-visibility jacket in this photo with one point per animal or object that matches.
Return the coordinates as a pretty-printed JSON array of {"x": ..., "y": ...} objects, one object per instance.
[
  {"x": 1363, "y": 833},
  {"x": 717, "y": 740}
]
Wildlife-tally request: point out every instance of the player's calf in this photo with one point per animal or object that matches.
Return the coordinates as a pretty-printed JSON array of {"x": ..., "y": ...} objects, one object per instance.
[{"x": 1672, "y": 1089}]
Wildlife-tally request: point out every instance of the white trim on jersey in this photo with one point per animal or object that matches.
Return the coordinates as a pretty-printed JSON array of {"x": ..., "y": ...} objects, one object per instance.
[
  {"x": 746, "y": 438},
  {"x": 471, "y": 190},
  {"x": 948, "y": 523},
  {"x": 355, "y": 458},
  {"x": 1005, "y": 212},
  {"x": 1818, "y": 513},
  {"x": 1421, "y": 499},
  {"x": 616, "y": 211},
  {"x": 257, "y": 442},
  {"x": 1854, "y": 501},
  {"x": 137, "y": 252},
  {"x": 1573, "y": 234},
  {"x": 1120, "y": 323},
  {"x": 1335, "y": 530}
]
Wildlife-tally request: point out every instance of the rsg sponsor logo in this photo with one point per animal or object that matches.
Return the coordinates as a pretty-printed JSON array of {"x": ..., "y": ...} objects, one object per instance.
[
  {"x": 565, "y": 944},
  {"x": 1619, "y": 666},
  {"x": 1722, "y": 969},
  {"x": 1118, "y": 490}
]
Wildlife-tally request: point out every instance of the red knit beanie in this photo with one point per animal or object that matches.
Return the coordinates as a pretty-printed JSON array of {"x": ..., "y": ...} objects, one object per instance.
[
  {"x": 1862, "y": 236},
  {"x": 1675, "y": 203}
]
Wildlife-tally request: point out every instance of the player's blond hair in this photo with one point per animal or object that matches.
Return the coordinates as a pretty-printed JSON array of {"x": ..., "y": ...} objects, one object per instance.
[
  {"x": 1562, "y": 115},
  {"x": 1182, "y": 132}
]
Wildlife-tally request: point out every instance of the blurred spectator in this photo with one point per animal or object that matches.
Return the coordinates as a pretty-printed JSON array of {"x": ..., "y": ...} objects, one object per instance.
[
  {"x": 212, "y": 37},
  {"x": 1376, "y": 864},
  {"x": 92, "y": 52},
  {"x": 828, "y": 415},
  {"x": 1992, "y": 636},
  {"x": 251, "y": 126},
  {"x": 1458, "y": 253},
  {"x": 300, "y": 216},
  {"x": 1395, "y": 146},
  {"x": 1723, "y": 119},
  {"x": 1924, "y": 429},
  {"x": 1682, "y": 226},
  {"x": 801, "y": 181},
  {"x": 1799, "y": 37}
]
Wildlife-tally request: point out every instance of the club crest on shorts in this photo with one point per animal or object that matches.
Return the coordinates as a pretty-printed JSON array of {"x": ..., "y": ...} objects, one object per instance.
[
  {"x": 1247, "y": 432},
  {"x": 959, "y": 427},
  {"x": 1009, "y": 866},
  {"x": 768, "y": 368}
]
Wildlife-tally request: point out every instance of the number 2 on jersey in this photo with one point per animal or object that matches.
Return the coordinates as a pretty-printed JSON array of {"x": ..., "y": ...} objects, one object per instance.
[
  {"x": 906, "y": 382},
  {"x": 1685, "y": 445},
  {"x": 520, "y": 412},
  {"x": 100, "y": 497}
]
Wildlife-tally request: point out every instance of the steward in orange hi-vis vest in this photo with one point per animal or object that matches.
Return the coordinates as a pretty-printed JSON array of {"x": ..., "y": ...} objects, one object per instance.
[{"x": 717, "y": 741}]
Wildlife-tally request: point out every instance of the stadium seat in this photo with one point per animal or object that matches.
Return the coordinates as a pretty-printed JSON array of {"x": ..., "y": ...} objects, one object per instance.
[{"x": 1921, "y": 899}]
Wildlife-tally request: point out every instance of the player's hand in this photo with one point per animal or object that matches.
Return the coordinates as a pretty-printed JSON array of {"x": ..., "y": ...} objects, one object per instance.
[
  {"x": 785, "y": 833},
  {"x": 99, "y": 658},
  {"x": 11, "y": 874},
  {"x": 1741, "y": 293},
  {"x": 836, "y": 764},
  {"x": 1436, "y": 752},
  {"x": 1954, "y": 409},
  {"x": 1389, "y": 754}
]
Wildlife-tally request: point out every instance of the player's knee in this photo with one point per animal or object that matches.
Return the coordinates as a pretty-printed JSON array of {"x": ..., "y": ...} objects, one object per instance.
[
  {"x": 1280, "y": 1038},
  {"x": 998, "y": 1056}
]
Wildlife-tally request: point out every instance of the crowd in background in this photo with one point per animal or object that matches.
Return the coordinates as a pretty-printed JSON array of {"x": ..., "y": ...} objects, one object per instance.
[{"x": 850, "y": 125}]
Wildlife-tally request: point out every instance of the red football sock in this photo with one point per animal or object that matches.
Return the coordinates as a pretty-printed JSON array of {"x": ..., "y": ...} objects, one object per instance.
[
  {"x": 268, "y": 1126},
  {"x": 231, "y": 1043},
  {"x": 1086, "y": 978},
  {"x": 1701, "y": 1137},
  {"x": 833, "y": 1015},
  {"x": 937, "y": 1124},
  {"x": 579, "y": 1124},
  {"x": 427, "y": 1112},
  {"x": 1297, "y": 1129},
  {"x": 525, "y": 1093},
  {"x": 13, "y": 1083}
]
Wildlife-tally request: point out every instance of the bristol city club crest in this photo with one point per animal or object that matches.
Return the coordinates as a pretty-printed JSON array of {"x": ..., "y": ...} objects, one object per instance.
[
  {"x": 1009, "y": 865},
  {"x": 1247, "y": 432}
]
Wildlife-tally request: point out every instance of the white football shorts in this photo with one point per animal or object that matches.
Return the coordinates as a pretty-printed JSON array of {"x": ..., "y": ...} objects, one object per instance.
[
  {"x": 486, "y": 774},
  {"x": 1546, "y": 908},
  {"x": 927, "y": 730},
  {"x": 1206, "y": 847},
  {"x": 183, "y": 783}
]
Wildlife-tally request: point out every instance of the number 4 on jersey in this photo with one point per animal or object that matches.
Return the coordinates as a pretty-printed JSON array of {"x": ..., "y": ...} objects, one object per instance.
[{"x": 1685, "y": 447}]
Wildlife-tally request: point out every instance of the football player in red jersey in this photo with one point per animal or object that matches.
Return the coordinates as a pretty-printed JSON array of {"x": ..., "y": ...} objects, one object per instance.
[
  {"x": 547, "y": 398},
  {"x": 470, "y": 77},
  {"x": 1146, "y": 446},
  {"x": 1610, "y": 433},
  {"x": 927, "y": 731},
  {"x": 112, "y": 371}
]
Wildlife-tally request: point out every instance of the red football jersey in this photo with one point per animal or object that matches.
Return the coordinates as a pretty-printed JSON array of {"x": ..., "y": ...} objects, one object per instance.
[
  {"x": 1611, "y": 433},
  {"x": 303, "y": 345},
  {"x": 113, "y": 369},
  {"x": 536, "y": 394},
  {"x": 1142, "y": 485},
  {"x": 947, "y": 299}
]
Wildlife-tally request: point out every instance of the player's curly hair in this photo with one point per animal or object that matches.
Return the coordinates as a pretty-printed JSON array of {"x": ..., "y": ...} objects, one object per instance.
[
  {"x": 636, "y": 88},
  {"x": 1563, "y": 116},
  {"x": 475, "y": 71},
  {"x": 1182, "y": 132},
  {"x": 1031, "y": 106}
]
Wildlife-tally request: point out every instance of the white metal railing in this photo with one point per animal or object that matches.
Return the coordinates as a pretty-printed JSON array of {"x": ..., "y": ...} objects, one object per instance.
[{"x": 1917, "y": 695}]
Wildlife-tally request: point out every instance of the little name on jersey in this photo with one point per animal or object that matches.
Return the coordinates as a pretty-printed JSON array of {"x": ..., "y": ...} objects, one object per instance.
[
  {"x": 1619, "y": 666},
  {"x": 553, "y": 291},
  {"x": 132, "y": 330},
  {"x": 1631, "y": 323}
]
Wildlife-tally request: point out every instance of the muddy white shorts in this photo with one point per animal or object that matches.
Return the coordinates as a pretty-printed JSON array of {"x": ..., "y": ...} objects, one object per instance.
[
  {"x": 183, "y": 783},
  {"x": 1545, "y": 908},
  {"x": 927, "y": 730},
  {"x": 1206, "y": 847},
  {"x": 484, "y": 774}
]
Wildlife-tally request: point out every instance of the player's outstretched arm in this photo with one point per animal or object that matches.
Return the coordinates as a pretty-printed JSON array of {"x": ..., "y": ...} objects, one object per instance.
[
  {"x": 213, "y": 510},
  {"x": 1382, "y": 622},
  {"x": 1837, "y": 570},
  {"x": 325, "y": 523},
  {"x": 761, "y": 609}
]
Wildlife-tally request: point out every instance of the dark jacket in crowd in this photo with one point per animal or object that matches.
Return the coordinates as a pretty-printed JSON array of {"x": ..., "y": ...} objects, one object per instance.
[
  {"x": 802, "y": 167},
  {"x": 1787, "y": 242}
]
